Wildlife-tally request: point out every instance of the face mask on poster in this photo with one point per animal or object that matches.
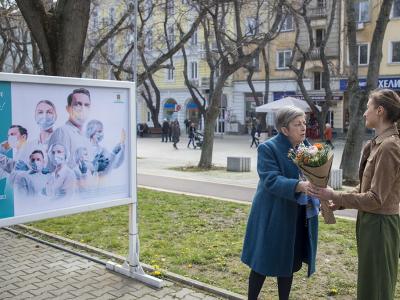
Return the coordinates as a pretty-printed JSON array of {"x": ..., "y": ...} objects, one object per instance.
[
  {"x": 12, "y": 141},
  {"x": 80, "y": 115},
  {"x": 37, "y": 166},
  {"x": 59, "y": 159},
  {"x": 45, "y": 122}
]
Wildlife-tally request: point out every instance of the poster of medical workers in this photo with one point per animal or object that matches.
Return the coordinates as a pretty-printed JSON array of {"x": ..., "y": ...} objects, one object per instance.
[{"x": 62, "y": 146}]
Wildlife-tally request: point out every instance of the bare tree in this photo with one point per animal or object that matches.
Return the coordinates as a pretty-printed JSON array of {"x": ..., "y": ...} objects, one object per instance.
[
  {"x": 359, "y": 97},
  {"x": 60, "y": 33},
  {"x": 157, "y": 55},
  {"x": 14, "y": 40},
  {"x": 228, "y": 50},
  {"x": 313, "y": 52}
]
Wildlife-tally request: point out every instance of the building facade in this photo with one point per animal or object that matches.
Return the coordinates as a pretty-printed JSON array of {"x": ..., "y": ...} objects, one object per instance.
[{"x": 237, "y": 105}]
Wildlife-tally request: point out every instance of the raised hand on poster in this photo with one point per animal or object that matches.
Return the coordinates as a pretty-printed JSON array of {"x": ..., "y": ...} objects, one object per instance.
[{"x": 123, "y": 136}]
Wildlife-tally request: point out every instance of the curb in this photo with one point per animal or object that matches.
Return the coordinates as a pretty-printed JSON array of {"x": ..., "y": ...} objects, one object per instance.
[{"x": 118, "y": 258}]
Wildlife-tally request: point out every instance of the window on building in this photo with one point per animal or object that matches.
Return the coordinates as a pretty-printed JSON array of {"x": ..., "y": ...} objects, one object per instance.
[
  {"x": 148, "y": 116},
  {"x": 95, "y": 17},
  {"x": 362, "y": 11},
  {"x": 319, "y": 36},
  {"x": 111, "y": 74},
  {"x": 287, "y": 23},
  {"x": 148, "y": 7},
  {"x": 256, "y": 63},
  {"x": 149, "y": 40},
  {"x": 171, "y": 35},
  {"x": 193, "y": 39},
  {"x": 283, "y": 59},
  {"x": 251, "y": 26},
  {"x": 363, "y": 54},
  {"x": 395, "y": 52},
  {"x": 171, "y": 74},
  {"x": 170, "y": 7},
  {"x": 111, "y": 48},
  {"x": 396, "y": 9},
  {"x": 193, "y": 70},
  {"x": 321, "y": 3},
  {"x": 112, "y": 15},
  {"x": 319, "y": 80}
]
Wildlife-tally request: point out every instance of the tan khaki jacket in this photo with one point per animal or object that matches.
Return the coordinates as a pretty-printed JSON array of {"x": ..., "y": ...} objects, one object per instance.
[{"x": 379, "y": 189}]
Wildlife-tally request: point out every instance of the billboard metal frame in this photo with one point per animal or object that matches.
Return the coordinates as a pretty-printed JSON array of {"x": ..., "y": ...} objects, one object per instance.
[{"x": 132, "y": 266}]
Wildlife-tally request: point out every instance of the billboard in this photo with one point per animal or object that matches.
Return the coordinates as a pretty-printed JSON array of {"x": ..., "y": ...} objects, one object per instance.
[{"x": 66, "y": 146}]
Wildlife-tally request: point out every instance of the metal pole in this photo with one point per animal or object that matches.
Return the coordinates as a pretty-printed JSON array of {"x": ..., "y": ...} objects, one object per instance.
[
  {"x": 132, "y": 267},
  {"x": 133, "y": 257}
]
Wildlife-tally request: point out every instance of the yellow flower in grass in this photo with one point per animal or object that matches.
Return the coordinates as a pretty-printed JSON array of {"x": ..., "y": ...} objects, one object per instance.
[{"x": 156, "y": 273}]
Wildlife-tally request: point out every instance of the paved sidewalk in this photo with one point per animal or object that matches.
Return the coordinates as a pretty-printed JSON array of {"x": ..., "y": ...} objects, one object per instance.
[
  {"x": 156, "y": 158},
  {"x": 30, "y": 270}
]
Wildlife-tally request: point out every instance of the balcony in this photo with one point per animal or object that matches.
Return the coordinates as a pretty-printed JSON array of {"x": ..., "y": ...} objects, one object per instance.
[
  {"x": 315, "y": 54},
  {"x": 318, "y": 12}
]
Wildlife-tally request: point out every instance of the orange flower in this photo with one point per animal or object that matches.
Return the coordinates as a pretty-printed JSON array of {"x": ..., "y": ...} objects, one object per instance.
[{"x": 319, "y": 146}]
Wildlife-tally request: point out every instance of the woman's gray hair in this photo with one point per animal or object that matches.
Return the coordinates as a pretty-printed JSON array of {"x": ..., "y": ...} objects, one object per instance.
[{"x": 287, "y": 114}]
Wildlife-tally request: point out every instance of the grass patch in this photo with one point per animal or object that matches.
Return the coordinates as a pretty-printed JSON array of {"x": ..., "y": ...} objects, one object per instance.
[
  {"x": 190, "y": 168},
  {"x": 202, "y": 238}
]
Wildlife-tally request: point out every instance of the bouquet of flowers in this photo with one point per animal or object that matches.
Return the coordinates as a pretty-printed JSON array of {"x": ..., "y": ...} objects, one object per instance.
[{"x": 315, "y": 162}]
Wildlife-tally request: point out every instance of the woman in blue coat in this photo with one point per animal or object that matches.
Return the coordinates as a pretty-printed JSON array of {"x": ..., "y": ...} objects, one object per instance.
[{"x": 282, "y": 229}]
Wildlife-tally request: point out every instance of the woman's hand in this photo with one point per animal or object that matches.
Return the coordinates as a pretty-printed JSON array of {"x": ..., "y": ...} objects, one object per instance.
[
  {"x": 323, "y": 194},
  {"x": 303, "y": 187}
]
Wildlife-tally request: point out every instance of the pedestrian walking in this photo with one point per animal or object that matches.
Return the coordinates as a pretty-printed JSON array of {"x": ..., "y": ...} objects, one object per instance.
[
  {"x": 187, "y": 125},
  {"x": 170, "y": 131},
  {"x": 259, "y": 129},
  {"x": 176, "y": 133},
  {"x": 328, "y": 135},
  {"x": 255, "y": 141},
  {"x": 164, "y": 131},
  {"x": 377, "y": 199},
  {"x": 281, "y": 232},
  {"x": 192, "y": 132}
]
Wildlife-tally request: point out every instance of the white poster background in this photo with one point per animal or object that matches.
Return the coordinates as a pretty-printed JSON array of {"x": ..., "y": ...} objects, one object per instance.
[{"x": 109, "y": 104}]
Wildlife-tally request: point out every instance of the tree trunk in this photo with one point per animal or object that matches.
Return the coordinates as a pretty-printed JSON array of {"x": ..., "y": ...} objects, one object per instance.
[
  {"x": 208, "y": 143},
  {"x": 209, "y": 125},
  {"x": 358, "y": 99},
  {"x": 154, "y": 119},
  {"x": 354, "y": 140},
  {"x": 60, "y": 34}
]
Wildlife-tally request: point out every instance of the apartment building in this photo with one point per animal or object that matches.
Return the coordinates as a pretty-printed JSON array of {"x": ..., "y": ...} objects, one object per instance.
[{"x": 237, "y": 107}]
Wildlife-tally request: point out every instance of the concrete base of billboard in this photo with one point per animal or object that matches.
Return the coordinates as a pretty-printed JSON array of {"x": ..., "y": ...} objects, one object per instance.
[{"x": 135, "y": 272}]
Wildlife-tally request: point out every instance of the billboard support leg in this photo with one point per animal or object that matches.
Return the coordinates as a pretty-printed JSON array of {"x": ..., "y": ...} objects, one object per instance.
[{"x": 132, "y": 267}]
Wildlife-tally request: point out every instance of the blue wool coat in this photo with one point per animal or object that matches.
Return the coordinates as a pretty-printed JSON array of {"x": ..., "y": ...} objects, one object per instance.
[{"x": 268, "y": 247}]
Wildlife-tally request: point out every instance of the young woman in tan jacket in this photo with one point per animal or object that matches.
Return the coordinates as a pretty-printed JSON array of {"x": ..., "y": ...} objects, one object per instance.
[{"x": 377, "y": 199}]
